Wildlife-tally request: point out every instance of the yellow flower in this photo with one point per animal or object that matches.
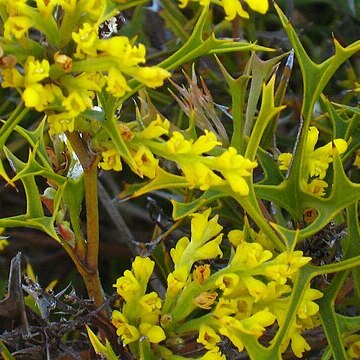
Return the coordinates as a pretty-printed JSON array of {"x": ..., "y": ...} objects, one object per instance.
[
  {"x": 316, "y": 161},
  {"x": 205, "y": 300},
  {"x": 227, "y": 283},
  {"x": 11, "y": 78},
  {"x": 285, "y": 160},
  {"x": 146, "y": 162},
  {"x": 307, "y": 306},
  {"x": 208, "y": 337},
  {"x": 45, "y": 7},
  {"x": 155, "y": 129},
  {"x": 254, "y": 325},
  {"x": 293, "y": 260},
  {"x": 203, "y": 229},
  {"x": 257, "y": 323},
  {"x": 177, "y": 144},
  {"x": 36, "y": 70},
  {"x": 299, "y": 344},
  {"x": 198, "y": 174},
  {"x": 257, "y": 289},
  {"x": 60, "y": 123},
  {"x": 150, "y": 305},
  {"x": 128, "y": 286},
  {"x": 77, "y": 102},
  {"x": 37, "y": 96},
  {"x": 85, "y": 83},
  {"x": 143, "y": 268},
  {"x": 243, "y": 306},
  {"x": 128, "y": 334},
  {"x": 118, "y": 319},
  {"x": 261, "y": 6},
  {"x": 154, "y": 333},
  {"x": 214, "y": 354},
  {"x": 251, "y": 254},
  {"x": 225, "y": 307},
  {"x": 152, "y": 77},
  {"x": 176, "y": 253},
  {"x": 234, "y": 7},
  {"x": 116, "y": 83},
  {"x": 176, "y": 281},
  {"x": 68, "y": 5},
  {"x": 306, "y": 318},
  {"x": 17, "y": 26},
  {"x": 234, "y": 168},
  {"x": 201, "y": 246},
  {"x": 315, "y": 187},
  {"x": 231, "y": 328},
  {"x": 86, "y": 39},
  {"x": 236, "y": 237},
  {"x": 150, "y": 302},
  {"x": 125, "y": 55},
  {"x": 111, "y": 160}
]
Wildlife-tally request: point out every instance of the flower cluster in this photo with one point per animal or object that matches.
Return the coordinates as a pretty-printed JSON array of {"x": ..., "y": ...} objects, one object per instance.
[
  {"x": 241, "y": 299},
  {"x": 138, "y": 142},
  {"x": 73, "y": 63},
  {"x": 316, "y": 162},
  {"x": 233, "y": 8},
  {"x": 140, "y": 311},
  {"x": 199, "y": 169}
]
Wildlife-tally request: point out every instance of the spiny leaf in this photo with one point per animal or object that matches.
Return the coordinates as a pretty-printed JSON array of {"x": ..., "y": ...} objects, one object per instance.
[
  {"x": 260, "y": 73},
  {"x": 267, "y": 112}
]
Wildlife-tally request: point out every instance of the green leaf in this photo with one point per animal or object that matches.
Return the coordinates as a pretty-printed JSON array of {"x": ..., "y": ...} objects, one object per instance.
[
  {"x": 272, "y": 174},
  {"x": 162, "y": 180},
  {"x": 196, "y": 46},
  {"x": 268, "y": 111},
  {"x": 237, "y": 89},
  {"x": 33, "y": 203},
  {"x": 181, "y": 210},
  {"x": 315, "y": 76},
  {"x": 328, "y": 316},
  {"x": 4, "y": 352},
  {"x": 260, "y": 73},
  {"x": 100, "y": 349},
  {"x": 72, "y": 196},
  {"x": 268, "y": 139},
  {"x": 36, "y": 141}
]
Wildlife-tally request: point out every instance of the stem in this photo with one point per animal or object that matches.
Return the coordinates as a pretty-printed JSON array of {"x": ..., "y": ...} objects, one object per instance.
[
  {"x": 92, "y": 216},
  {"x": 89, "y": 261}
]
